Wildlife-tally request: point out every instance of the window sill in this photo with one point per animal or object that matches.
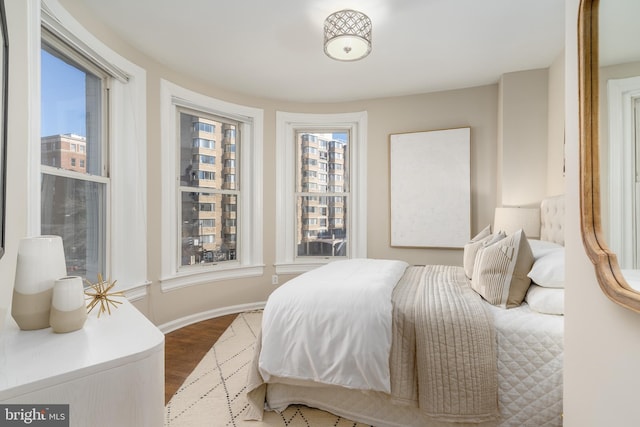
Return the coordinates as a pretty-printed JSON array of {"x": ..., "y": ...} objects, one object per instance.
[
  {"x": 197, "y": 276},
  {"x": 135, "y": 292},
  {"x": 302, "y": 266}
]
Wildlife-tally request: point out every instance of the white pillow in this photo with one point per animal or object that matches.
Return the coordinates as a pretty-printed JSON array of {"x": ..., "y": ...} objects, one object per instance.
[
  {"x": 482, "y": 234},
  {"x": 542, "y": 247},
  {"x": 548, "y": 270},
  {"x": 545, "y": 300},
  {"x": 500, "y": 271}
]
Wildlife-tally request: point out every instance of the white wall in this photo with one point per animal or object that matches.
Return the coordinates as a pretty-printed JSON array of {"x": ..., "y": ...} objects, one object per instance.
[
  {"x": 555, "y": 127},
  {"x": 522, "y": 142},
  {"x": 602, "y": 340}
]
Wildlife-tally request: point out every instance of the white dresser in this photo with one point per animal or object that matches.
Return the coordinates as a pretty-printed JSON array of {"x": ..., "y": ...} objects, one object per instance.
[{"x": 110, "y": 372}]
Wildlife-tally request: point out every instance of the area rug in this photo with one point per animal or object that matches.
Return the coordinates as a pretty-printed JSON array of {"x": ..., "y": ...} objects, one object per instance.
[{"x": 214, "y": 394}]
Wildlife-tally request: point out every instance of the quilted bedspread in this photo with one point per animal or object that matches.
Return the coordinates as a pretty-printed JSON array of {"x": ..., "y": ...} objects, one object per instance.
[
  {"x": 530, "y": 359},
  {"x": 444, "y": 357}
]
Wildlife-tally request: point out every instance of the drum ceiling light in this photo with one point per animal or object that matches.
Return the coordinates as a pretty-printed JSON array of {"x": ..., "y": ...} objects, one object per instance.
[{"x": 347, "y": 35}]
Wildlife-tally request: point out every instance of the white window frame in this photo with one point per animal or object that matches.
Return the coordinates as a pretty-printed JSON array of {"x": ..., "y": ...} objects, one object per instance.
[
  {"x": 286, "y": 126},
  {"x": 126, "y": 243},
  {"x": 249, "y": 261},
  {"x": 623, "y": 205}
]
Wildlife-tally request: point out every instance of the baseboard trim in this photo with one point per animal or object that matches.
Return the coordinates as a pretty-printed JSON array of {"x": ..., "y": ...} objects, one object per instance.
[{"x": 176, "y": 324}]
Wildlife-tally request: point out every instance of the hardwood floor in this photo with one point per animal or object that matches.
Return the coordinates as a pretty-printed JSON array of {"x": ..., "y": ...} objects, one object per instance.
[{"x": 185, "y": 347}]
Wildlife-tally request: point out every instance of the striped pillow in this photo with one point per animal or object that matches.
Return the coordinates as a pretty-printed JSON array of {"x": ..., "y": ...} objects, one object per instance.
[
  {"x": 484, "y": 238},
  {"x": 500, "y": 271},
  {"x": 471, "y": 248}
]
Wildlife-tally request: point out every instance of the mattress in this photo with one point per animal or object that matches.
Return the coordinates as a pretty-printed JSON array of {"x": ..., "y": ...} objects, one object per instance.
[{"x": 530, "y": 348}]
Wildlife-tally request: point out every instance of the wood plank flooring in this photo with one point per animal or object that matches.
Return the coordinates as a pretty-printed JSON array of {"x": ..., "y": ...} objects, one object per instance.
[{"x": 185, "y": 347}]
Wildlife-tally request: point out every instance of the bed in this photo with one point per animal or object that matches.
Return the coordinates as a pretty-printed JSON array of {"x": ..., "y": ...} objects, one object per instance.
[{"x": 493, "y": 350}]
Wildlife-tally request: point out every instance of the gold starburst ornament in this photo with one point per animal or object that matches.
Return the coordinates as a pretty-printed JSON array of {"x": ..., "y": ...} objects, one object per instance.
[{"x": 98, "y": 294}]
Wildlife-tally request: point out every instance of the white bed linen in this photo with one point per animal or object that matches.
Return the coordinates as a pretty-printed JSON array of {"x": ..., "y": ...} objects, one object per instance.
[
  {"x": 530, "y": 360},
  {"x": 530, "y": 347},
  {"x": 309, "y": 334}
]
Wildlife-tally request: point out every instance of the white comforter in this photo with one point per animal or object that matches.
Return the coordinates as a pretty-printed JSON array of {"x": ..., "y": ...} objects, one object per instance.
[{"x": 337, "y": 352}]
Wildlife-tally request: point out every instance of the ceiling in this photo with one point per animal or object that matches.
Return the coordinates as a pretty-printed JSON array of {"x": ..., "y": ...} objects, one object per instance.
[{"x": 274, "y": 49}]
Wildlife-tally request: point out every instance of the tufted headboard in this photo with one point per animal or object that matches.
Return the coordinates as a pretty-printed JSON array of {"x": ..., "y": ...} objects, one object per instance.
[{"x": 552, "y": 219}]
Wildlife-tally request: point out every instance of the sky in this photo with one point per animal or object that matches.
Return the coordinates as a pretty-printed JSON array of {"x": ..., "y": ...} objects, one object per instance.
[
  {"x": 63, "y": 97},
  {"x": 340, "y": 136}
]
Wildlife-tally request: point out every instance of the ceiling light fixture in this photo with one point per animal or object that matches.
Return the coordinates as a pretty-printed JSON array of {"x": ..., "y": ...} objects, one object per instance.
[{"x": 347, "y": 35}]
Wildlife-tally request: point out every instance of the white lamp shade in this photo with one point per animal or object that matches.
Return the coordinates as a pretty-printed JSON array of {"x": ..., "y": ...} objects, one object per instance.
[
  {"x": 347, "y": 48},
  {"x": 511, "y": 219}
]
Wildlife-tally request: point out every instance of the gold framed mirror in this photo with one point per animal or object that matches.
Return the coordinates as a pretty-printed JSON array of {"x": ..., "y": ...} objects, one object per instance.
[{"x": 610, "y": 275}]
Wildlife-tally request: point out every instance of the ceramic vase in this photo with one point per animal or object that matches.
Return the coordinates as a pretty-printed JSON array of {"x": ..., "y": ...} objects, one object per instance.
[
  {"x": 40, "y": 263},
  {"x": 68, "y": 309}
]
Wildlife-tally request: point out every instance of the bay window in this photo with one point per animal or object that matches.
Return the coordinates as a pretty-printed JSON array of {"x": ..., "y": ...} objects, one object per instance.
[{"x": 211, "y": 216}]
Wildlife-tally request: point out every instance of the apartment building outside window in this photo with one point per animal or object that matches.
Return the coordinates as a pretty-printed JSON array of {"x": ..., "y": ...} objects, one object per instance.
[
  {"x": 74, "y": 164},
  {"x": 320, "y": 212},
  {"x": 208, "y": 187}
]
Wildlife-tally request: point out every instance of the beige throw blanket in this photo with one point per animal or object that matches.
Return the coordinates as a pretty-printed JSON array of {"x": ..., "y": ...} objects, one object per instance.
[{"x": 443, "y": 355}]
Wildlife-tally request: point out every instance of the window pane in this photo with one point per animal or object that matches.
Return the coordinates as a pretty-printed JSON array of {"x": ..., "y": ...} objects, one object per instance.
[
  {"x": 73, "y": 205},
  {"x": 323, "y": 191},
  {"x": 74, "y": 209},
  {"x": 209, "y": 227},
  {"x": 71, "y": 106},
  {"x": 322, "y": 229},
  {"x": 322, "y": 162},
  {"x": 208, "y": 162}
]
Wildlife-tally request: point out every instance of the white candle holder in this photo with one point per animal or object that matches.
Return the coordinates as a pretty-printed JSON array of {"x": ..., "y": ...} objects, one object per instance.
[{"x": 68, "y": 310}]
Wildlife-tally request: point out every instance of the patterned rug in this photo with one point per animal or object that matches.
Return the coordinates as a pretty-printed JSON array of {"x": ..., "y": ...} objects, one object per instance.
[{"x": 214, "y": 394}]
